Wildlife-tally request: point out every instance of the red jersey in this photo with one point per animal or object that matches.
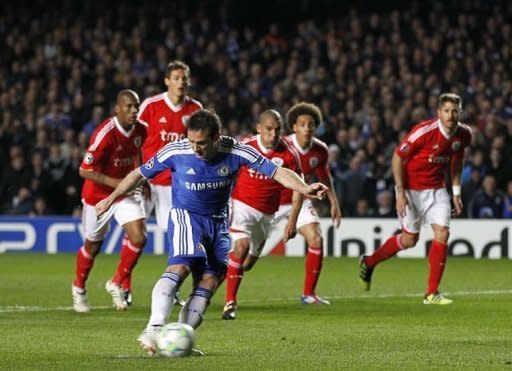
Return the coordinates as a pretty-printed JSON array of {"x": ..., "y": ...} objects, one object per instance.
[
  {"x": 257, "y": 190},
  {"x": 313, "y": 162},
  {"x": 428, "y": 150},
  {"x": 164, "y": 123},
  {"x": 112, "y": 151}
]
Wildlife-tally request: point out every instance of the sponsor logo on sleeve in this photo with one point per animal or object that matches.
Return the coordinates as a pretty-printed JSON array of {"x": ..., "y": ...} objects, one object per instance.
[
  {"x": 88, "y": 158},
  {"x": 277, "y": 161},
  {"x": 456, "y": 146},
  {"x": 150, "y": 163},
  {"x": 404, "y": 147}
]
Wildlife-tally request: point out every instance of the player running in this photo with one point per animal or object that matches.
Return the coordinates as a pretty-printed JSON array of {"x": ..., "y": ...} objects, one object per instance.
[
  {"x": 304, "y": 118},
  {"x": 254, "y": 201},
  {"x": 114, "y": 151},
  {"x": 419, "y": 168}
]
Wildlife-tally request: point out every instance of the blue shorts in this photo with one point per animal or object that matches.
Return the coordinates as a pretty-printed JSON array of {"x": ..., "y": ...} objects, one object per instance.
[{"x": 199, "y": 242}]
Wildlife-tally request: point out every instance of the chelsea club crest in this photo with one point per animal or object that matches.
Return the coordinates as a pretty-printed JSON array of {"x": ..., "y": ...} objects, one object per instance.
[{"x": 224, "y": 171}]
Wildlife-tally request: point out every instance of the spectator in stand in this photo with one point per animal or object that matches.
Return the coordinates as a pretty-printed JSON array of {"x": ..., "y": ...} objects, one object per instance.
[
  {"x": 362, "y": 209},
  {"x": 469, "y": 190},
  {"x": 385, "y": 207},
  {"x": 507, "y": 202},
  {"x": 488, "y": 201}
]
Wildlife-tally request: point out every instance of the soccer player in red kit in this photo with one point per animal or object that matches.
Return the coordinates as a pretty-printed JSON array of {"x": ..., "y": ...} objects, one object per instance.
[
  {"x": 419, "y": 169},
  {"x": 304, "y": 118},
  {"x": 114, "y": 151},
  {"x": 165, "y": 117},
  {"x": 254, "y": 201}
]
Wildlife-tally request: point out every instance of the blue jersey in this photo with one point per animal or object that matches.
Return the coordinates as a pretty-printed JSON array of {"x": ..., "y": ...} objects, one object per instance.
[{"x": 204, "y": 186}]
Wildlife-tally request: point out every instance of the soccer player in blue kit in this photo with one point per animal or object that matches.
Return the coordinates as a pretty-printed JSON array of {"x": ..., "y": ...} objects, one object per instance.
[{"x": 204, "y": 167}]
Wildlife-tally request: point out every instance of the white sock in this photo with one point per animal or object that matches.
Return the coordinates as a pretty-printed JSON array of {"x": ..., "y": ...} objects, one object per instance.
[
  {"x": 193, "y": 311},
  {"x": 162, "y": 298}
]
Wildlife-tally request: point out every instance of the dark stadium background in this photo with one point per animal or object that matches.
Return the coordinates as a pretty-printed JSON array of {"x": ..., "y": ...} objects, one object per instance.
[{"x": 375, "y": 68}]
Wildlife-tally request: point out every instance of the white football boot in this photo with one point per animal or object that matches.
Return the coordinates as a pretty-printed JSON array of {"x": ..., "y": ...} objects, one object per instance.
[
  {"x": 80, "y": 302},
  {"x": 116, "y": 292}
]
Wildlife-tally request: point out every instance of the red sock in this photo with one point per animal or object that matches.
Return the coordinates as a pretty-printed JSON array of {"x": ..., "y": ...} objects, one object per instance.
[
  {"x": 129, "y": 256},
  {"x": 127, "y": 283},
  {"x": 314, "y": 259},
  {"x": 233, "y": 277},
  {"x": 84, "y": 263},
  {"x": 386, "y": 251},
  {"x": 437, "y": 260}
]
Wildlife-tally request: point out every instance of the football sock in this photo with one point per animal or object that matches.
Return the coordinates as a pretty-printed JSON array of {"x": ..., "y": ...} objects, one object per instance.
[
  {"x": 162, "y": 298},
  {"x": 386, "y": 251},
  {"x": 314, "y": 260},
  {"x": 437, "y": 261},
  {"x": 193, "y": 311},
  {"x": 84, "y": 263},
  {"x": 130, "y": 254},
  {"x": 127, "y": 283},
  {"x": 233, "y": 277}
]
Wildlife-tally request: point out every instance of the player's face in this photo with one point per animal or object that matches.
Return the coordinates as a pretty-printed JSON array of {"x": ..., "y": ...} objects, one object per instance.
[
  {"x": 126, "y": 109},
  {"x": 449, "y": 114},
  {"x": 203, "y": 145},
  {"x": 304, "y": 128},
  {"x": 269, "y": 130},
  {"x": 177, "y": 84}
]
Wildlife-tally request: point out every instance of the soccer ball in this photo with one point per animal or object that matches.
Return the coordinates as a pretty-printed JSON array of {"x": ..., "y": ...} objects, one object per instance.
[{"x": 175, "y": 340}]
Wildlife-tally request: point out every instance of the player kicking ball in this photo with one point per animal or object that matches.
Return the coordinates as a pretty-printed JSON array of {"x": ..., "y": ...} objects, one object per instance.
[
  {"x": 204, "y": 167},
  {"x": 419, "y": 167}
]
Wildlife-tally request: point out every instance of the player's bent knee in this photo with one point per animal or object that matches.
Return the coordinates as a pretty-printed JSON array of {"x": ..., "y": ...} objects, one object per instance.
[
  {"x": 316, "y": 240},
  {"x": 409, "y": 240},
  {"x": 139, "y": 240},
  {"x": 250, "y": 261}
]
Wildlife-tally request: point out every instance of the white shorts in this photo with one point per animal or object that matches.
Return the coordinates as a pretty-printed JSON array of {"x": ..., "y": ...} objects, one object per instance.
[
  {"x": 430, "y": 206},
  {"x": 307, "y": 214},
  {"x": 127, "y": 210},
  {"x": 247, "y": 222},
  {"x": 161, "y": 202}
]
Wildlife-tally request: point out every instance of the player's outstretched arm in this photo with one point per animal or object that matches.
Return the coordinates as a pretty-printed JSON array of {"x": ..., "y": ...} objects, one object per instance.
[
  {"x": 291, "y": 180},
  {"x": 131, "y": 181}
]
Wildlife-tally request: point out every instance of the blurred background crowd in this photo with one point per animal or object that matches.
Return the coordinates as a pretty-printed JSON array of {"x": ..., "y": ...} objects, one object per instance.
[{"x": 374, "y": 72}]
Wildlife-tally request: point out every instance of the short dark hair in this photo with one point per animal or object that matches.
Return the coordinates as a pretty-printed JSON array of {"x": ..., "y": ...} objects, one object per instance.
[
  {"x": 207, "y": 120},
  {"x": 304, "y": 108},
  {"x": 127, "y": 93},
  {"x": 273, "y": 114},
  {"x": 177, "y": 65},
  {"x": 450, "y": 97}
]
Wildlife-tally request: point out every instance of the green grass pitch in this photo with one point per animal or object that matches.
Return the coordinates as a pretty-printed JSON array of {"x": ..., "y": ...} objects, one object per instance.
[{"x": 387, "y": 328}]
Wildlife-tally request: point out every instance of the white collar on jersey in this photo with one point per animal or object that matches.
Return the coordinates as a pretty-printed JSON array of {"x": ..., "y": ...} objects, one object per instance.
[
  {"x": 262, "y": 148},
  {"x": 122, "y": 130},
  {"x": 301, "y": 150},
  {"x": 445, "y": 134},
  {"x": 173, "y": 107}
]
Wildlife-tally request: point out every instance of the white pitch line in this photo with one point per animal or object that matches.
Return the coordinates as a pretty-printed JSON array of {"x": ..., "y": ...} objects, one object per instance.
[
  {"x": 29, "y": 309},
  {"x": 385, "y": 296}
]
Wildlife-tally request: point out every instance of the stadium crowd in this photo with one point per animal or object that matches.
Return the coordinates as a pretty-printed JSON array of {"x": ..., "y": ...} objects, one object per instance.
[{"x": 373, "y": 74}]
